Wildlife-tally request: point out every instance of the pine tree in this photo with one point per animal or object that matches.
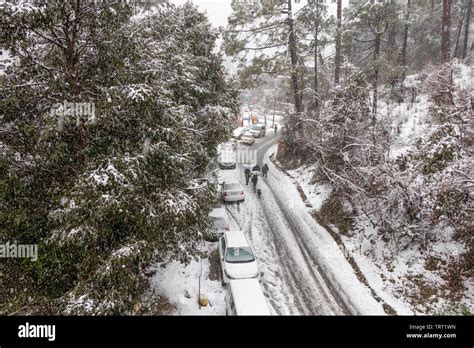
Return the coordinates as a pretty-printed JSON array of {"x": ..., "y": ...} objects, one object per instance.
[
  {"x": 368, "y": 23},
  {"x": 265, "y": 30},
  {"x": 102, "y": 196}
]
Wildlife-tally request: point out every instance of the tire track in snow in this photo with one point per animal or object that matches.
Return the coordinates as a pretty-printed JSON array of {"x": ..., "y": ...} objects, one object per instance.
[
  {"x": 285, "y": 292},
  {"x": 327, "y": 288}
]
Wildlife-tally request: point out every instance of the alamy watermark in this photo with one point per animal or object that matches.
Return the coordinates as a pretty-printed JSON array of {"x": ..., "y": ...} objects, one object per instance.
[
  {"x": 246, "y": 156},
  {"x": 80, "y": 113},
  {"x": 25, "y": 251}
]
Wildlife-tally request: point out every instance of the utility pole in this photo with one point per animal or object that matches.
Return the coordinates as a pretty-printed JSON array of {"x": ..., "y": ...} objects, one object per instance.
[{"x": 273, "y": 110}]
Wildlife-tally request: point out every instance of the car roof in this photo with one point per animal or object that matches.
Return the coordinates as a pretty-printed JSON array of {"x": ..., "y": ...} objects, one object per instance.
[
  {"x": 236, "y": 239},
  {"x": 248, "y": 297},
  {"x": 218, "y": 213},
  {"x": 230, "y": 182},
  {"x": 238, "y": 130},
  {"x": 226, "y": 184}
]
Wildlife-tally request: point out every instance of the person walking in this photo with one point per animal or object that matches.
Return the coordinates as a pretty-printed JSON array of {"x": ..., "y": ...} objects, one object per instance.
[
  {"x": 256, "y": 168},
  {"x": 276, "y": 128},
  {"x": 247, "y": 176},
  {"x": 265, "y": 170},
  {"x": 254, "y": 183}
]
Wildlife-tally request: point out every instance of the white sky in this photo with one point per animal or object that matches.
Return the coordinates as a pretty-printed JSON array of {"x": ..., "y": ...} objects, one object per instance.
[{"x": 217, "y": 10}]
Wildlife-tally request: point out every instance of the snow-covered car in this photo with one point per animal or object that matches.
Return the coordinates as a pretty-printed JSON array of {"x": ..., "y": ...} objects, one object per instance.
[
  {"x": 232, "y": 191},
  {"x": 238, "y": 132},
  {"x": 247, "y": 139},
  {"x": 245, "y": 297},
  {"x": 227, "y": 157},
  {"x": 258, "y": 130},
  {"x": 220, "y": 222},
  {"x": 236, "y": 257}
]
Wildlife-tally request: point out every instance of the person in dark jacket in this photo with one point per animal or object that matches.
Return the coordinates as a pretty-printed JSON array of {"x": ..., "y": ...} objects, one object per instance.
[
  {"x": 254, "y": 182},
  {"x": 265, "y": 170},
  {"x": 256, "y": 168},
  {"x": 247, "y": 176}
]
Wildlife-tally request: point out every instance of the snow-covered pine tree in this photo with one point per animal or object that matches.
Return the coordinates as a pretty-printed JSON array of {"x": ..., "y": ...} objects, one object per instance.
[{"x": 102, "y": 196}]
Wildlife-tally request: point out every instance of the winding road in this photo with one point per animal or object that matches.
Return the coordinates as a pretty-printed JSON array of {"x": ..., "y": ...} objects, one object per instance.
[{"x": 292, "y": 278}]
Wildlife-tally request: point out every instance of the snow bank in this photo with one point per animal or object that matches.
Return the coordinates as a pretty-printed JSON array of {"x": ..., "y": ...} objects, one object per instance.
[{"x": 180, "y": 284}]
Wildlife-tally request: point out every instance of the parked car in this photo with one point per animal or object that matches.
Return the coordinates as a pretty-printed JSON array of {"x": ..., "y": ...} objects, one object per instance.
[
  {"x": 238, "y": 132},
  {"x": 220, "y": 222},
  {"x": 232, "y": 192},
  {"x": 236, "y": 257},
  {"x": 227, "y": 157},
  {"x": 245, "y": 297},
  {"x": 258, "y": 130},
  {"x": 248, "y": 139}
]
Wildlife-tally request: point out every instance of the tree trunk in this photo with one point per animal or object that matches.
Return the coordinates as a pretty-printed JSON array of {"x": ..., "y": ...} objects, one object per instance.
[
  {"x": 337, "y": 58},
  {"x": 316, "y": 50},
  {"x": 294, "y": 60},
  {"x": 403, "y": 54},
  {"x": 466, "y": 29},
  {"x": 458, "y": 35},
  {"x": 316, "y": 82},
  {"x": 446, "y": 31},
  {"x": 376, "y": 76}
]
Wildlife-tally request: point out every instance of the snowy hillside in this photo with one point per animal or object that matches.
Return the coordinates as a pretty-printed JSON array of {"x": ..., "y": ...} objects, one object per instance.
[{"x": 431, "y": 275}]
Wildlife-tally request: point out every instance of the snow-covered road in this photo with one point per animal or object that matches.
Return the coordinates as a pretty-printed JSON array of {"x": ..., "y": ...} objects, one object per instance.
[{"x": 303, "y": 270}]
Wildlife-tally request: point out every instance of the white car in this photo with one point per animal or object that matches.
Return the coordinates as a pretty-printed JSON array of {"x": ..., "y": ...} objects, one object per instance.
[
  {"x": 236, "y": 257},
  {"x": 258, "y": 130},
  {"x": 238, "y": 132},
  {"x": 227, "y": 157},
  {"x": 232, "y": 191},
  {"x": 245, "y": 297},
  {"x": 247, "y": 138},
  {"x": 220, "y": 221}
]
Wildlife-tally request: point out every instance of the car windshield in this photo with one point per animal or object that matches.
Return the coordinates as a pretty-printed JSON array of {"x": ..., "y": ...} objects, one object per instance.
[
  {"x": 233, "y": 186},
  {"x": 255, "y": 127},
  {"x": 239, "y": 255}
]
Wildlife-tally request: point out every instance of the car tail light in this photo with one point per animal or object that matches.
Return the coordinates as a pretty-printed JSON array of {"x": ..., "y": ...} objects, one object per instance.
[{"x": 225, "y": 193}]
